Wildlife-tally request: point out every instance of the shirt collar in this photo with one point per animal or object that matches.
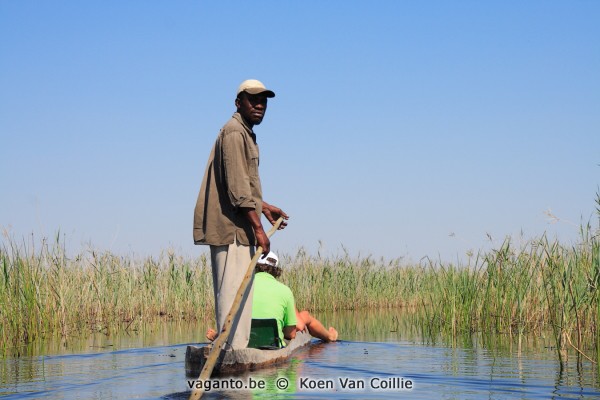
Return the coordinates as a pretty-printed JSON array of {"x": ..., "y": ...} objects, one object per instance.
[
  {"x": 242, "y": 121},
  {"x": 266, "y": 275},
  {"x": 249, "y": 130}
]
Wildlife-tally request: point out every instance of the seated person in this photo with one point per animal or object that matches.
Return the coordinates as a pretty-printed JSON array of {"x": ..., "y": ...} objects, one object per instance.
[{"x": 273, "y": 299}]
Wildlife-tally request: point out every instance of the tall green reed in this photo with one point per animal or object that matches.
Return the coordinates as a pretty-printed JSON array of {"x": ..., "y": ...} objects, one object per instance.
[
  {"x": 514, "y": 290},
  {"x": 43, "y": 292}
]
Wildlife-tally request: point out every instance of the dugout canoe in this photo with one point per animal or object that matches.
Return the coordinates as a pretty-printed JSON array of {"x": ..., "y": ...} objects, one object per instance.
[{"x": 235, "y": 361}]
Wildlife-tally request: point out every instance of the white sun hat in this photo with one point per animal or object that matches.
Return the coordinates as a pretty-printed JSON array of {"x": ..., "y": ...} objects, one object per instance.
[{"x": 271, "y": 259}]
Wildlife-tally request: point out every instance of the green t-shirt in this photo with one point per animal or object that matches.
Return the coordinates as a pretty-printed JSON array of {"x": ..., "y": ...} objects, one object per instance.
[{"x": 272, "y": 299}]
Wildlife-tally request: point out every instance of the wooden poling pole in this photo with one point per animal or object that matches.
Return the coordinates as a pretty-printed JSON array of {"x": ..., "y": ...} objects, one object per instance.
[{"x": 217, "y": 345}]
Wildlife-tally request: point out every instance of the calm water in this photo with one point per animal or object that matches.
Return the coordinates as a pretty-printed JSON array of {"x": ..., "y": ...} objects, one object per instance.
[{"x": 379, "y": 357}]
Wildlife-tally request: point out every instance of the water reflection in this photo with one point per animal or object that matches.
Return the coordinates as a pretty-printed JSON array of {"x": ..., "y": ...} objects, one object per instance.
[
  {"x": 377, "y": 346},
  {"x": 146, "y": 335}
]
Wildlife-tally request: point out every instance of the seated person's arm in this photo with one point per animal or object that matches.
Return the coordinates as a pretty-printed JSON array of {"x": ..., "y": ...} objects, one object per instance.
[
  {"x": 300, "y": 325},
  {"x": 289, "y": 332}
]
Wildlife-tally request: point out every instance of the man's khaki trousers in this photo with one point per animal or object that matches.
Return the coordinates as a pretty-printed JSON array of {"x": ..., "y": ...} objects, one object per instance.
[{"x": 229, "y": 265}]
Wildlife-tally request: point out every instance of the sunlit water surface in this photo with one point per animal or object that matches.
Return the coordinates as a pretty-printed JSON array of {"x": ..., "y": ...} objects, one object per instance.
[{"x": 379, "y": 357}]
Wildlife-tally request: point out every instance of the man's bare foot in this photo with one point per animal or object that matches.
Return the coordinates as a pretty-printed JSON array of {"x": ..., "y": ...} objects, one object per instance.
[
  {"x": 211, "y": 334},
  {"x": 333, "y": 334}
]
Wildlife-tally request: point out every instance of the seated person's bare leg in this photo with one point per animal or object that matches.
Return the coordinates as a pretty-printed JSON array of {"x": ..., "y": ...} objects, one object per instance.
[{"x": 316, "y": 328}]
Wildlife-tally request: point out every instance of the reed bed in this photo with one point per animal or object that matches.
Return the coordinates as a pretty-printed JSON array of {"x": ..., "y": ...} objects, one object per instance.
[
  {"x": 44, "y": 293},
  {"x": 514, "y": 290},
  {"x": 538, "y": 287},
  {"x": 534, "y": 288}
]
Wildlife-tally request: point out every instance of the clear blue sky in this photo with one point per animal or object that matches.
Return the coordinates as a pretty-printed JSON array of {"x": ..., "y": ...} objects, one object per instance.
[{"x": 400, "y": 129}]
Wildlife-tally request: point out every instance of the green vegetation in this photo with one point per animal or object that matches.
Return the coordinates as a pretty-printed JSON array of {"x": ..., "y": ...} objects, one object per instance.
[
  {"x": 44, "y": 293},
  {"x": 539, "y": 286}
]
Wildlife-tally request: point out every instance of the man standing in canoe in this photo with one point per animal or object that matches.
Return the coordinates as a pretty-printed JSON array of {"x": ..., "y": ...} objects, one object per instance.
[{"x": 230, "y": 204}]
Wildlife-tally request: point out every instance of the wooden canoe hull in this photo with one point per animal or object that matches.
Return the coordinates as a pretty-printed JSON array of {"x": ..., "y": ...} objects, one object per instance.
[{"x": 241, "y": 360}]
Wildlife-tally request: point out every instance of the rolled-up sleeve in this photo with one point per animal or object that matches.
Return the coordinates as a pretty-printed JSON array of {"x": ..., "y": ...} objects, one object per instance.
[{"x": 240, "y": 163}]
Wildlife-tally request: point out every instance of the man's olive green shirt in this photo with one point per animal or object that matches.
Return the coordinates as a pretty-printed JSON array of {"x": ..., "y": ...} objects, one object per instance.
[{"x": 230, "y": 182}]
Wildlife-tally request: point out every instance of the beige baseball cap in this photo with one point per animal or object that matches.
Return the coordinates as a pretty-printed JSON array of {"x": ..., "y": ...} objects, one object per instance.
[{"x": 253, "y": 86}]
